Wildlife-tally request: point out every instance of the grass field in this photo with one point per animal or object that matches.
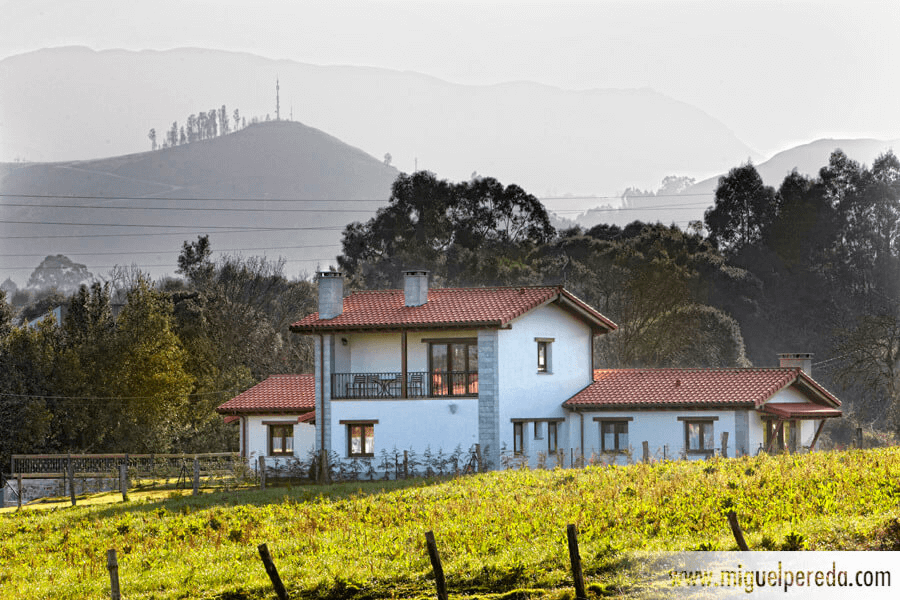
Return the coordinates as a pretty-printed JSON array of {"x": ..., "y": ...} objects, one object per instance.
[{"x": 501, "y": 535}]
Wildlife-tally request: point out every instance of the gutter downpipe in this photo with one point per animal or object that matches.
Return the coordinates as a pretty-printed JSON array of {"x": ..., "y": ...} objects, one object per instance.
[
  {"x": 581, "y": 415},
  {"x": 321, "y": 416}
]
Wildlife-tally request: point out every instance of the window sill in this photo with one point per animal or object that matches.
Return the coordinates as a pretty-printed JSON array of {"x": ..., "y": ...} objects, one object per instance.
[
  {"x": 545, "y": 372},
  {"x": 360, "y": 456}
]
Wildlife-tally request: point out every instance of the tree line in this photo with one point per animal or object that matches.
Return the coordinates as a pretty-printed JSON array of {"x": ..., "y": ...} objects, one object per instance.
[
  {"x": 200, "y": 126},
  {"x": 812, "y": 266},
  {"x": 140, "y": 367}
]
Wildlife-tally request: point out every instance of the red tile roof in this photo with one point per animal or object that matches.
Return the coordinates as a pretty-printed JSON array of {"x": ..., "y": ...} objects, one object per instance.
[
  {"x": 278, "y": 393},
  {"x": 449, "y": 307},
  {"x": 694, "y": 388}
]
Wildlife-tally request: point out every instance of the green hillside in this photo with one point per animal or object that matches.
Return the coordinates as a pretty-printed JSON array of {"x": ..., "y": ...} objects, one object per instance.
[{"x": 501, "y": 535}]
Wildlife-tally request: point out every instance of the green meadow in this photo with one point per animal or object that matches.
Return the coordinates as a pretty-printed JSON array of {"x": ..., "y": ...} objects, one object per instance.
[{"x": 500, "y": 534}]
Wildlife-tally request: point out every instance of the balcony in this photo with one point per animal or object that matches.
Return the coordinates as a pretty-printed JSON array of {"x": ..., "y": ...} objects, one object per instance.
[{"x": 346, "y": 386}]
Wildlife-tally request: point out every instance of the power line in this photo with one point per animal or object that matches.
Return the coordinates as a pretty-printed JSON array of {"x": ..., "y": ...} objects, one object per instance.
[
  {"x": 178, "y": 251},
  {"x": 299, "y": 260},
  {"x": 282, "y": 199},
  {"x": 154, "y": 225},
  {"x": 201, "y": 209},
  {"x": 684, "y": 206},
  {"x": 95, "y": 398},
  {"x": 197, "y": 230}
]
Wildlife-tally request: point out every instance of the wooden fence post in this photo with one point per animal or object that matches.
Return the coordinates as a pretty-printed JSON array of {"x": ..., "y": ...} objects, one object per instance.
[
  {"x": 71, "y": 470},
  {"x": 575, "y": 560},
  {"x": 859, "y": 438},
  {"x": 262, "y": 472},
  {"x": 724, "y": 444},
  {"x": 646, "y": 449},
  {"x": 113, "y": 565},
  {"x": 123, "y": 482},
  {"x": 196, "y": 476},
  {"x": 439, "y": 581},
  {"x": 272, "y": 571},
  {"x": 405, "y": 464},
  {"x": 736, "y": 530}
]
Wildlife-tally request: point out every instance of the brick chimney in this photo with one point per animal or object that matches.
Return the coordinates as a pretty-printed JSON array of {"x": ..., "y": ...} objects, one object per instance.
[
  {"x": 415, "y": 287},
  {"x": 331, "y": 294},
  {"x": 796, "y": 359}
]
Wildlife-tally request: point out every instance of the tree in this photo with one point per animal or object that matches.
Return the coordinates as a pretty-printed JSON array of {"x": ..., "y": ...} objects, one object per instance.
[
  {"x": 211, "y": 123},
  {"x": 744, "y": 208},
  {"x": 237, "y": 119},
  {"x": 172, "y": 136},
  {"x": 60, "y": 273},
  {"x": 6, "y": 316},
  {"x": 223, "y": 120},
  {"x": 152, "y": 136},
  {"x": 388, "y": 158},
  {"x": 870, "y": 358},
  {"x": 149, "y": 375},
  {"x": 476, "y": 231},
  {"x": 182, "y": 138}
]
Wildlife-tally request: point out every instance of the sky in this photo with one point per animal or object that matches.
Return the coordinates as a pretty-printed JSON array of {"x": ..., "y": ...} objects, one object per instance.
[{"x": 777, "y": 73}]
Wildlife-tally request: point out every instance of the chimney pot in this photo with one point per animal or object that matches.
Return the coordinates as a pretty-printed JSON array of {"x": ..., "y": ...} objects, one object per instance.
[
  {"x": 415, "y": 287},
  {"x": 331, "y": 294},
  {"x": 796, "y": 359}
]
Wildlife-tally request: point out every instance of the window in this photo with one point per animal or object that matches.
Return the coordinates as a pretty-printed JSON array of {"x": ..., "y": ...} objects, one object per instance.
[
  {"x": 698, "y": 436},
  {"x": 614, "y": 436},
  {"x": 361, "y": 439},
  {"x": 538, "y": 430},
  {"x": 518, "y": 438},
  {"x": 551, "y": 437},
  {"x": 281, "y": 439},
  {"x": 454, "y": 367},
  {"x": 543, "y": 354}
]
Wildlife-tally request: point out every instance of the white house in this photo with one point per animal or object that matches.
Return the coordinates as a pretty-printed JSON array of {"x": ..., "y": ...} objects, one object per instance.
[
  {"x": 275, "y": 418},
  {"x": 511, "y": 370}
]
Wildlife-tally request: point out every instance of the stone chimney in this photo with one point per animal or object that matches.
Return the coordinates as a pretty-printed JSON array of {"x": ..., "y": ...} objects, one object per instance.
[
  {"x": 415, "y": 287},
  {"x": 331, "y": 294},
  {"x": 801, "y": 359}
]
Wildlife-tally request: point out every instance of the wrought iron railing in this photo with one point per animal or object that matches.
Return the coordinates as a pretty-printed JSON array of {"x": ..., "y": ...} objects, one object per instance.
[{"x": 419, "y": 384}]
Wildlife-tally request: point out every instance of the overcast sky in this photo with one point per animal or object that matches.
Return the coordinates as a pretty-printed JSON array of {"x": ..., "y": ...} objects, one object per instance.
[{"x": 776, "y": 73}]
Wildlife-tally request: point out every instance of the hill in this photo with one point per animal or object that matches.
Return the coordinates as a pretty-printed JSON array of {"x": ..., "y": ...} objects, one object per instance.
[
  {"x": 74, "y": 103},
  {"x": 496, "y": 533},
  {"x": 138, "y": 208},
  {"x": 691, "y": 203},
  {"x": 807, "y": 159}
]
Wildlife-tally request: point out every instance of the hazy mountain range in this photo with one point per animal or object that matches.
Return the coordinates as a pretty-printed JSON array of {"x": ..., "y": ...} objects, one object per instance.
[{"x": 74, "y": 103}]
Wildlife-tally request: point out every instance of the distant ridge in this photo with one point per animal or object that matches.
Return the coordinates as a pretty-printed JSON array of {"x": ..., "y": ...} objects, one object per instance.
[
  {"x": 807, "y": 159},
  {"x": 242, "y": 170},
  {"x": 551, "y": 141}
]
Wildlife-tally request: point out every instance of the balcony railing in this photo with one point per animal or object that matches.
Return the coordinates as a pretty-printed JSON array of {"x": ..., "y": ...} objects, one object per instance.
[{"x": 419, "y": 384}]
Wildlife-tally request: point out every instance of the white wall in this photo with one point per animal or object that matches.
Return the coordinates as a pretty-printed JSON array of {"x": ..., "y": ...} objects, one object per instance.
[
  {"x": 661, "y": 429},
  {"x": 258, "y": 440},
  {"x": 525, "y": 393},
  {"x": 409, "y": 424}
]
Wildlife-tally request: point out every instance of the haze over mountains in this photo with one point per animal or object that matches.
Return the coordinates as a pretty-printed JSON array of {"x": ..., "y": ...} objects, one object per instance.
[
  {"x": 70, "y": 104},
  {"x": 74, "y": 103}
]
